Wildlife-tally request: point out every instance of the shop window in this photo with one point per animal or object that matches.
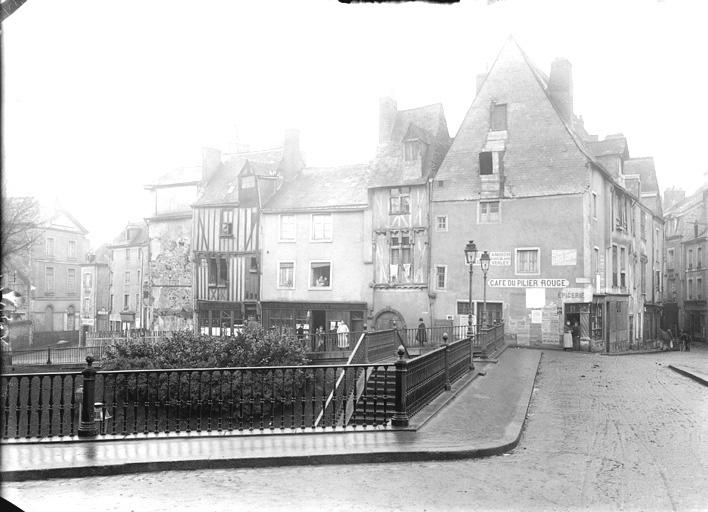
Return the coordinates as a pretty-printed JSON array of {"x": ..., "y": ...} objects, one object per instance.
[
  {"x": 489, "y": 212},
  {"x": 322, "y": 227},
  {"x": 527, "y": 261},
  {"x": 321, "y": 274},
  {"x": 286, "y": 274},
  {"x": 399, "y": 202},
  {"x": 227, "y": 223},
  {"x": 441, "y": 277},
  {"x": 287, "y": 228},
  {"x": 498, "y": 117}
]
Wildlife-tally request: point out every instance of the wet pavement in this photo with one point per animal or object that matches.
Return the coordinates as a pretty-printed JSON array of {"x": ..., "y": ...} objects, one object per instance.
[{"x": 603, "y": 433}]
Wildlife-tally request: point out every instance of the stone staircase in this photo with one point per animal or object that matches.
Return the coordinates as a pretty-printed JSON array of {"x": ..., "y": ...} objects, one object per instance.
[{"x": 378, "y": 402}]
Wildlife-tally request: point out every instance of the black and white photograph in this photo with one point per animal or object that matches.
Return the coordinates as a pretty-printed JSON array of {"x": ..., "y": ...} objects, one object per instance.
[{"x": 306, "y": 255}]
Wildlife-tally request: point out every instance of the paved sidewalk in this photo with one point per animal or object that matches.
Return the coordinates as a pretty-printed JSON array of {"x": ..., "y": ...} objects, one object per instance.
[{"x": 481, "y": 416}]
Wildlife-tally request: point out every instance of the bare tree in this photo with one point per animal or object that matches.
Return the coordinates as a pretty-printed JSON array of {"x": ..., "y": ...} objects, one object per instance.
[{"x": 20, "y": 223}]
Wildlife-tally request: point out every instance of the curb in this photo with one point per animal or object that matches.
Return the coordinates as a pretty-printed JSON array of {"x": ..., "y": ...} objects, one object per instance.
[
  {"x": 517, "y": 425},
  {"x": 701, "y": 379}
]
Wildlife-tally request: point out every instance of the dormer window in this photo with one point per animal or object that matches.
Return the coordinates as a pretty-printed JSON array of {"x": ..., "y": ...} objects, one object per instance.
[
  {"x": 498, "y": 122},
  {"x": 412, "y": 149},
  {"x": 248, "y": 182}
]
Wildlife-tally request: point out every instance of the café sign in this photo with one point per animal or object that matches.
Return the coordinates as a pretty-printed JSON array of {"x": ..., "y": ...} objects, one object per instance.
[{"x": 528, "y": 283}]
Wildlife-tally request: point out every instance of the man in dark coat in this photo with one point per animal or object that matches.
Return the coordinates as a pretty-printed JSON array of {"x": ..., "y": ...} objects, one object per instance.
[{"x": 422, "y": 334}]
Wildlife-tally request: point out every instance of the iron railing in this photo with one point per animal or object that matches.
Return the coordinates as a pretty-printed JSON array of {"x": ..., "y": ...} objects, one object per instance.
[
  {"x": 203, "y": 400},
  {"x": 51, "y": 355},
  {"x": 433, "y": 336}
]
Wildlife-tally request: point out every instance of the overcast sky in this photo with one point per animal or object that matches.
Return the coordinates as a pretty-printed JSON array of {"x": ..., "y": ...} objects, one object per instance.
[{"x": 101, "y": 97}]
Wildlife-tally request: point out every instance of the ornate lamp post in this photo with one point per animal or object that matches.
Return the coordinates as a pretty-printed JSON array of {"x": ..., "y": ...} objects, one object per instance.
[
  {"x": 484, "y": 263},
  {"x": 470, "y": 258}
]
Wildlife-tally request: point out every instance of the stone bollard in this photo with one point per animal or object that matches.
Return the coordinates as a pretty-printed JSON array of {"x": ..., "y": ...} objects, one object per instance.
[
  {"x": 87, "y": 425},
  {"x": 400, "y": 416}
]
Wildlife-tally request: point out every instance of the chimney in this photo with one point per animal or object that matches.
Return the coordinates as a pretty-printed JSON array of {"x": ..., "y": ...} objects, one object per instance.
[
  {"x": 480, "y": 80},
  {"x": 292, "y": 157},
  {"x": 211, "y": 160},
  {"x": 560, "y": 87},
  {"x": 387, "y": 118}
]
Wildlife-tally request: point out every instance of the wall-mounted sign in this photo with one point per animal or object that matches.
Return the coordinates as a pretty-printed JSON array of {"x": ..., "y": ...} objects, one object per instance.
[
  {"x": 528, "y": 283},
  {"x": 87, "y": 321},
  {"x": 564, "y": 257},
  {"x": 500, "y": 258},
  {"x": 570, "y": 295}
]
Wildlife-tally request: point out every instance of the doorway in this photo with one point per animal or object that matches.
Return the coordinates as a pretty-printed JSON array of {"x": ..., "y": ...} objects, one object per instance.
[
  {"x": 318, "y": 320},
  {"x": 574, "y": 319}
]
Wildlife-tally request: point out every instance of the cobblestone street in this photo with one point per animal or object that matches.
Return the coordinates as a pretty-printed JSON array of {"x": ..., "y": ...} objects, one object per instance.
[{"x": 604, "y": 433}]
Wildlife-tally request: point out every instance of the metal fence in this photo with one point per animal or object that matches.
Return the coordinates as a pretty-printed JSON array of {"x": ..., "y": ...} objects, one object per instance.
[
  {"x": 637, "y": 345},
  {"x": 433, "y": 336}
]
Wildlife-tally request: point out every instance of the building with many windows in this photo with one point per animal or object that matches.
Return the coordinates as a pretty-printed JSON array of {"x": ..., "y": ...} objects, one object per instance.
[
  {"x": 412, "y": 144},
  {"x": 226, "y": 232},
  {"x": 128, "y": 264},
  {"x": 571, "y": 224},
  {"x": 55, "y": 262},
  {"x": 95, "y": 291},
  {"x": 317, "y": 253},
  {"x": 686, "y": 278}
]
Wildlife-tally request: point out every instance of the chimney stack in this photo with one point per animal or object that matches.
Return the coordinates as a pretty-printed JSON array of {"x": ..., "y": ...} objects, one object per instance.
[
  {"x": 560, "y": 87},
  {"x": 292, "y": 157},
  {"x": 211, "y": 160},
  {"x": 387, "y": 118}
]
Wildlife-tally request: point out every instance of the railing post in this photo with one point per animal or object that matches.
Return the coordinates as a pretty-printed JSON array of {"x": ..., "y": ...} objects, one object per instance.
[
  {"x": 400, "y": 415},
  {"x": 49, "y": 355},
  {"x": 447, "y": 366},
  {"x": 87, "y": 426},
  {"x": 470, "y": 338}
]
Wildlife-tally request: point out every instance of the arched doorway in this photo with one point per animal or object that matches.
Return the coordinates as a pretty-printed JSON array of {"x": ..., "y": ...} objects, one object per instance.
[
  {"x": 49, "y": 318},
  {"x": 388, "y": 319}
]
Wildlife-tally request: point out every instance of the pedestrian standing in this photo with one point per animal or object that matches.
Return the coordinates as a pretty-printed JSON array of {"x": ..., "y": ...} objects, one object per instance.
[
  {"x": 422, "y": 335},
  {"x": 343, "y": 335}
]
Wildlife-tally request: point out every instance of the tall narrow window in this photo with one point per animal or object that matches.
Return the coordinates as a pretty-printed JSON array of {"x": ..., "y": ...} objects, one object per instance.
[
  {"x": 399, "y": 202},
  {"x": 286, "y": 274},
  {"x": 127, "y": 278},
  {"x": 441, "y": 223},
  {"x": 126, "y": 301},
  {"x": 690, "y": 259},
  {"x": 49, "y": 247},
  {"x": 322, "y": 227},
  {"x": 594, "y": 205},
  {"x": 596, "y": 260},
  {"x": 49, "y": 279},
  {"x": 127, "y": 254},
  {"x": 71, "y": 249},
  {"x": 411, "y": 149},
  {"x": 498, "y": 117},
  {"x": 615, "y": 266},
  {"x": 287, "y": 228},
  {"x": 223, "y": 272},
  {"x": 400, "y": 256},
  {"x": 669, "y": 259},
  {"x": 623, "y": 267},
  {"x": 699, "y": 288},
  {"x": 486, "y": 163},
  {"x": 441, "y": 277},
  {"x": 212, "y": 272},
  {"x": 699, "y": 257},
  {"x": 227, "y": 223},
  {"x": 70, "y": 280}
]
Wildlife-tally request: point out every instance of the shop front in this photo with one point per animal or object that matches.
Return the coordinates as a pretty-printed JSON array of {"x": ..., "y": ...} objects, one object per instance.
[
  {"x": 286, "y": 317},
  {"x": 217, "y": 318}
]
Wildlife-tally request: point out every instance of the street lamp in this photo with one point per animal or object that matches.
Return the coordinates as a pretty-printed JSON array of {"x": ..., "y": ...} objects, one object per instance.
[
  {"x": 470, "y": 258},
  {"x": 484, "y": 263}
]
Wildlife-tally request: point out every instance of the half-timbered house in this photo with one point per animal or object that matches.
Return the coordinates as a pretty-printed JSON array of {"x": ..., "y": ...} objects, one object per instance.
[
  {"x": 412, "y": 144},
  {"x": 226, "y": 234}
]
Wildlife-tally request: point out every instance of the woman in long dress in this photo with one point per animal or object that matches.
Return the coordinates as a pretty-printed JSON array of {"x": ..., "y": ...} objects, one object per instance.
[{"x": 342, "y": 335}]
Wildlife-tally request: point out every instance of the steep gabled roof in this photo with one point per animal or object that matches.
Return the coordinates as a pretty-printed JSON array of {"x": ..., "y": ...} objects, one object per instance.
[
  {"x": 429, "y": 118},
  {"x": 644, "y": 167},
  {"x": 138, "y": 236},
  {"x": 223, "y": 185},
  {"x": 49, "y": 216},
  {"x": 609, "y": 146},
  {"x": 542, "y": 154},
  {"x": 323, "y": 188}
]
